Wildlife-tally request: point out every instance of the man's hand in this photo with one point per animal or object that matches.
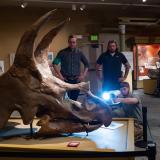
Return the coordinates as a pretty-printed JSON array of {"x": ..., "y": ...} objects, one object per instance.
[
  {"x": 128, "y": 100},
  {"x": 118, "y": 100}
]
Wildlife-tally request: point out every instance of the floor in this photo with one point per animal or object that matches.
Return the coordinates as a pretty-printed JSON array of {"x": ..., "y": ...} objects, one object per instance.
[{"x": 153, "y": 112}]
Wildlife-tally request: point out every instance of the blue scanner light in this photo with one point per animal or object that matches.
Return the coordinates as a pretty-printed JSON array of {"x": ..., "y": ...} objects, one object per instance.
[
  {"x": 106, "y": 96},
  {"x": 109, "y": 97}
]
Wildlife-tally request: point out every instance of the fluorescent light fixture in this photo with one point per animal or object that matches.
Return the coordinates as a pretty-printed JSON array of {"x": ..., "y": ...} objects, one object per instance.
[
  {"x": 69, "y": 19},
  {"x": 24, "y": 4},
  {"x": 82, "y": 7}
]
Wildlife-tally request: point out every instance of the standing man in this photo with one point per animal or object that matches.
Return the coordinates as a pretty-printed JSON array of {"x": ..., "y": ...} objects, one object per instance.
[
  {"x": 70, "y": 60},
  {"x": 109, "y": 66}
]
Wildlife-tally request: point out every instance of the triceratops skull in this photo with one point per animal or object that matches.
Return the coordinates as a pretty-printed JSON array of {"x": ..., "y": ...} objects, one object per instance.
[{"x": 30, "y": 87}]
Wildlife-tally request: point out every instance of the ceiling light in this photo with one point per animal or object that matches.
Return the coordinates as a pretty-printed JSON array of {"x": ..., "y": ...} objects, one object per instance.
[
  {"x": 74, "y": 7},
  {"x": 144, "y": 1},
  {"x": 24, "y": 4},
  {"x": 82, "y": 7}
]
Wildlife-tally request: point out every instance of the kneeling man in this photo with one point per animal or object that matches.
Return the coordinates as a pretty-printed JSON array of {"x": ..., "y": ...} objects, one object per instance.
[{"x": 129, "y": 107}]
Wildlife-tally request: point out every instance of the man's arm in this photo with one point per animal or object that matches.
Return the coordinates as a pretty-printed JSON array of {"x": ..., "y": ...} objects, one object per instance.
[
  {"x": 127, "y": 68},
  {"x": 126, "y": 65},
  {"x": 86, "y": 66},
  {"x": 56, "y": 63},
  {"x": 127, "y": 100},
  {"x": 85, "y": 72},
  {"x": 99, "y": 67},
  {"x": 57, "y": 70}
]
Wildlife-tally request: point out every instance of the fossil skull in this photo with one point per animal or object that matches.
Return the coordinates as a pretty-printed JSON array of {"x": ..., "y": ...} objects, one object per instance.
[{"x": 30, "y": 88}]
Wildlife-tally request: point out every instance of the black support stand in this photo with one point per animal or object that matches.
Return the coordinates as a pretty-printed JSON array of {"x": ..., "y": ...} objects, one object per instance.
[
  {"x": 151, "y": 151},
  {"x": 157, "y": 91},
  {"x": 31, "y": 129},
  {"x": 143, "y": 143},
  {"x": 144, "y": 112},
  {"x": 149, "y": 145}
]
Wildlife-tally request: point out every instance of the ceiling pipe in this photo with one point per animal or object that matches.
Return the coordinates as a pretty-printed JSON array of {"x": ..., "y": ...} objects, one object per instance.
[
  {"x": 139, "y": 21},
  {"x": 96, "y": 3}
]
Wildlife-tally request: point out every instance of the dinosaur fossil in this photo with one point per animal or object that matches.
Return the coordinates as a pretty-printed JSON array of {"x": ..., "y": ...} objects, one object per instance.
[{"x": 30, "y": 88}]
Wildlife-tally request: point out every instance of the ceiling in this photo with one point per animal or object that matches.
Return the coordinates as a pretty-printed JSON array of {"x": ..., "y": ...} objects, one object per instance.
[
  {"x": 65, "y": 3},
  {"x": 118, "y": 8},
  {"x": 107, "y": 12},
  {"x": 125, "y": 8},
  {"x": 152, "y": 4}
]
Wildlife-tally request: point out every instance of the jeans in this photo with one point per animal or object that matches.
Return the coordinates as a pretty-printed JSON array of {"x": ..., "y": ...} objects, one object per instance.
[{"x": 73, "y": 94}]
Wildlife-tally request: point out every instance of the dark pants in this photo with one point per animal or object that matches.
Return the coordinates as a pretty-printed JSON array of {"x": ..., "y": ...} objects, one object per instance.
[{"x": 73, "y": 94}]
